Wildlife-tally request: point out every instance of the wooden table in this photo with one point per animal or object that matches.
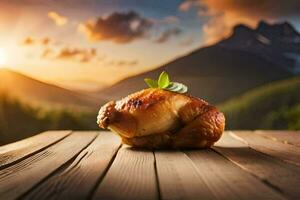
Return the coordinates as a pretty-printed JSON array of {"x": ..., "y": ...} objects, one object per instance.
[{"x": 92, "y": 165}]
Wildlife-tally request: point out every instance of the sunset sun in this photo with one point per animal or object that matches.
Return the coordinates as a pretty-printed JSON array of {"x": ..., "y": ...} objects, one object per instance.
[{"x": 3, "y": 58}]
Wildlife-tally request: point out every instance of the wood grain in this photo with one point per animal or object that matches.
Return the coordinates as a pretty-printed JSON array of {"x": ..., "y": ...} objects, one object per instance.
[
  {"x": 17, "y": 179},
  {"x": 280, "y": 175},
  {"x": 286, "y": 152},
  {"x": 227, "y": 181},
  {"x": 131, "y": 176},
  {"x": 11, "y": 153},
  {"x": 85, "y": 165},
  {"x": 287, "y": 137},
  {"x": 203, "y": 174},
  {"x": 78, "y": 180},
  {"x": 179, "y": 178}
]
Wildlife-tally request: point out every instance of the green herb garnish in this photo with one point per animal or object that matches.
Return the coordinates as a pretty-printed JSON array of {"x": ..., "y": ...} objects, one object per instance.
[{"x": 164, "y": 82}]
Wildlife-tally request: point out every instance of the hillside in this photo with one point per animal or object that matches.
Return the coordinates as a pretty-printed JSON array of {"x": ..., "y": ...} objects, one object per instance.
[
  {"x": 226, "y": 69},
  {"x": 36, "y": 92},
  {"x": 273, "y": 106},
  {"x": 19, "y": 120},
  {"x": 213, "y": 73}
]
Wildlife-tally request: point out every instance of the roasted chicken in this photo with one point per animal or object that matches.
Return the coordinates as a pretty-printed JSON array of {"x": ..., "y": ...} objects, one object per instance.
[{"x": 156, "y": 118}]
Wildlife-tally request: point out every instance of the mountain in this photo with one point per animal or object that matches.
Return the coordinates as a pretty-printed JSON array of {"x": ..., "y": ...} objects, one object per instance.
[
  {"x": 36, "y": 92},
  {"x": 19, "y": 120},
  {"x": 246, "y": 59},
  {"x": 277, "y": 43},
  {"x": 272, "y": 106}
]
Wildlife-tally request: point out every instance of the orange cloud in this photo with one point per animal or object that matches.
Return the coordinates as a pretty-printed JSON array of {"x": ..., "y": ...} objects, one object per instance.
[
  {"x": 58, "y": 19},
  {"x": 127, "y": 62},
  {"x": 227, "y": 13},
  {"x": 123, "y": 63},
  {"x": 47, "y": 53},
  {"x": 45, "y": 41},
  {"x": 72, "y": 54},
  {"x": 220, "y": 26},
  {"x": 82, "y": 55},
  {"x": 186, "y": 5},
  {"x": 28, "y": 41}
]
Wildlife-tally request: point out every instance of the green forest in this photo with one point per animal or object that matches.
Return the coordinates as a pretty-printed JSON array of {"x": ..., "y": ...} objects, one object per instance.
[
  {"x": 272, "y": 106},
  {"x": 18, "y": 120}
]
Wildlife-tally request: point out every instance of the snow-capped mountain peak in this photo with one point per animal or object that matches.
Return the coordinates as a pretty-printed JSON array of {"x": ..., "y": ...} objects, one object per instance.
[{"x": 278, "y": 43}]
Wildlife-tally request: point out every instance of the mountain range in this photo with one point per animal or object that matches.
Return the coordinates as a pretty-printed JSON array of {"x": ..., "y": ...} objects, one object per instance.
[
  {"x": 32, "y": 91},
  {"x": 278, "y": 43},
  {"x": 248, "y": 58}
]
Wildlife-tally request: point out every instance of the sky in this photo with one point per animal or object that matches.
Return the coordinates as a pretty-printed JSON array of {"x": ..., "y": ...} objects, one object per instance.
[{"x": 89, "y": 44}]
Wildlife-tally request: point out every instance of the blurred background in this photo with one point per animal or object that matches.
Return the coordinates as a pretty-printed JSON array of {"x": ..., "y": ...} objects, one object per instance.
[{"x": 61, "y": 60}]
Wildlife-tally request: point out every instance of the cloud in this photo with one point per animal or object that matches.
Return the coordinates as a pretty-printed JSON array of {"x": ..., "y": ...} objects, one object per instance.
[
  {"x": 187, "y": 41},
  {"x": 170, "y": 20},
  {"x": 50, "y": 50},
  {"x": 167, "y": 34},
  {"x": 186, "y": 5},
  {"x": 47, "y": 53},
  {"x": 127, "y": 62},
  {"x": 82, "y": 55},
  {"x": 223, "y": 15},
  {"x": 72, "y": 54},
  {"x": 28, "y": 41},
  {"x": 45, "y": 41},
  {"x": 117, "y": 27},
  {"x": 58, "y": 19},
  {"x": 122, "y": 63},
  {"x": 85, "y": 56}
]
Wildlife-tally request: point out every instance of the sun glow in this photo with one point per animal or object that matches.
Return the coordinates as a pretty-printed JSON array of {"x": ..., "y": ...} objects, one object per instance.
[{"x": 3, "y": 58}]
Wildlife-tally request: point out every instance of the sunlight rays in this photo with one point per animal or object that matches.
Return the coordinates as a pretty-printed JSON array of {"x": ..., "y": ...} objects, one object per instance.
[{"x": 3, "y": 58}]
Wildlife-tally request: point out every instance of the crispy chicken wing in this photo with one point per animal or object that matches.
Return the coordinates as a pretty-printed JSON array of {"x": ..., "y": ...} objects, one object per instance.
[{"x": 156, "y": 118}]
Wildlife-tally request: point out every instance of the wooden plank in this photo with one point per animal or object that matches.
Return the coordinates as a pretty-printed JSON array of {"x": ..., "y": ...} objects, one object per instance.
[
  {"x": 79, "y": 179},
  {"x": 13, "y": 152},
  {"x": 17, "y": 179},
  {"x": 278, "y": 174},
  {"x": 228, "y": 181},
  {"x": 287, "y": 137},
  {"x": 286, "y": 152},
  {"x": 178, "y": 177},
  {"x": 131, "y": 176},
  {"x": 203, "y": 174}
]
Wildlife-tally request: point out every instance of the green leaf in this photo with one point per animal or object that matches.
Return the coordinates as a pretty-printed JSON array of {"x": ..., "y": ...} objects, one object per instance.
[
  {"x": 163, "y": 80},
  {"x": 151, "y": 83},
  {"x": 165, "y": 83}
]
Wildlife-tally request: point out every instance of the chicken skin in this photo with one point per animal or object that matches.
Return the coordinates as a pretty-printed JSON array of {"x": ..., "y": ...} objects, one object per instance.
[{"x": 156, "y": 118}]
